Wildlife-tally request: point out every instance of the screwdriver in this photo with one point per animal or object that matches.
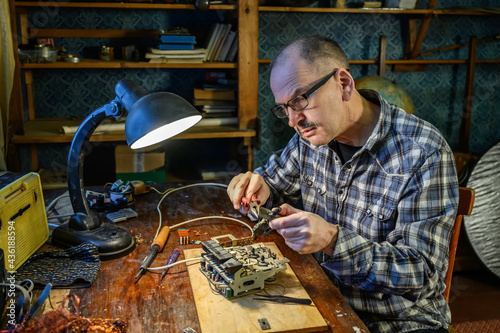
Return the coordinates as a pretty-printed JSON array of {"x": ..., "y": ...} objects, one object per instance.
[
  {"x": 171, "y": 260},
  {"x": 156, "y": 246}
]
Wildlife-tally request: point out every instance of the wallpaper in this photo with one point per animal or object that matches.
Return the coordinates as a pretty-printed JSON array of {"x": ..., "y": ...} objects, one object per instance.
[{"x": 437, "y": 92}]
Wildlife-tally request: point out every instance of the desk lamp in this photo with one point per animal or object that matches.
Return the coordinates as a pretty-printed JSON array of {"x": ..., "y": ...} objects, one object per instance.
[{"x": 151, "y": 118}]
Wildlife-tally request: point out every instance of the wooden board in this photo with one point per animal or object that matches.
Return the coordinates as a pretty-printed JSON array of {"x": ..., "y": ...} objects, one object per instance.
[{"x": 241, "y": 314}]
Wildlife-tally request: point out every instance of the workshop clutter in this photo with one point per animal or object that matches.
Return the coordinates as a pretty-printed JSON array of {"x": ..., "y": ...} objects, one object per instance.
[{"x": 139, "y": 165}]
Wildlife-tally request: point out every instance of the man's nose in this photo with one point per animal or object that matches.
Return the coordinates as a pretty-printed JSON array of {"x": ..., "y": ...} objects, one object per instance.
[{"x": 294, "y": 117}]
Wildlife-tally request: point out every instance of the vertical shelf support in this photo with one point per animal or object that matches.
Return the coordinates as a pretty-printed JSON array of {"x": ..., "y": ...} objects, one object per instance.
[
  {"x": 28, "y": 77},
  {"x": 463, "y": 143},
  {"x": 248, "y": 144},
  {"x": 15, "y": 118},
  {"x": 382, "y": 55},
  {"x": 248, "y": 66},
  {"x": 423, "y": 29}
]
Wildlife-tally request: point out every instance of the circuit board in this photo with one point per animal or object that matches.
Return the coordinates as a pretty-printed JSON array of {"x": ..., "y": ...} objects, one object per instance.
[
  {"x": 243, "y": 314},
  {"x": 239, "y": 270}
]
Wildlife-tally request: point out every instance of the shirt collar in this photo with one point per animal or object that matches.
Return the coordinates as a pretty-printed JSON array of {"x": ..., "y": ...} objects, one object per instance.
[
  {"x": 381, "y": 129},
  {"x": 384, "y": 121}
]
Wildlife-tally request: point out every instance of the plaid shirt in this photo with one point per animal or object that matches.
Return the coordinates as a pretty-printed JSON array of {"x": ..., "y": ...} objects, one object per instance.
[{"x": 395, "y": 203}]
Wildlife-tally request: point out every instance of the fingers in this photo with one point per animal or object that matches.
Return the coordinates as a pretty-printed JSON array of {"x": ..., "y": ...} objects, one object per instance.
[
  {"x": 247, "y": 185},
  {"x": 292, "y": 217},
  {"x": 286, "y": 209},
  {"x": 305, "y": 232},
  {"x": 254, "y": 188},
  {"x": 236, "y": 189}
]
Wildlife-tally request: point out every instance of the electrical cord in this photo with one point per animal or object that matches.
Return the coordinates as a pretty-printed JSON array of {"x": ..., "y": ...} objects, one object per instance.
[
  {"x": 173, "y": 264},
  {"x": 52, "y": 204},
  {"x": 172, "y": 190},
  {"x": 48, "y": 209}
]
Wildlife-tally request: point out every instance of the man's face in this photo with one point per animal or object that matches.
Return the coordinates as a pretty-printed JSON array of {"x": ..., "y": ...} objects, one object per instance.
[{"x": 319, "y": 122}]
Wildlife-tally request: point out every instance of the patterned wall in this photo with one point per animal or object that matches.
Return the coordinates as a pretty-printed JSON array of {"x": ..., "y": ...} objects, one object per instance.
[{"x": 437, "y": 93}]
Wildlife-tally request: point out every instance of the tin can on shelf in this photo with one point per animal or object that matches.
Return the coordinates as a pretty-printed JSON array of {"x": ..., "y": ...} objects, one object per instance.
[{"x": 106, "y": 53}]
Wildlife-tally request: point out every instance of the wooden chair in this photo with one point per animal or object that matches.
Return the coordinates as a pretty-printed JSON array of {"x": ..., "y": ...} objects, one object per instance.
[{"x": 465, "y": 203}]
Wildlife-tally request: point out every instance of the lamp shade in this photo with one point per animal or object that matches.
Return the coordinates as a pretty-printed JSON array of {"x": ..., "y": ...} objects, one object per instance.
[
  {"x": 151, "y": 118},
  {"x": 157, "y": 117}
]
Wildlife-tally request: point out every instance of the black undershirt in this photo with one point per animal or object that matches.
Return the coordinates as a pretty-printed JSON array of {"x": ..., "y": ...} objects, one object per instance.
[{"x": 344, "y": 151}]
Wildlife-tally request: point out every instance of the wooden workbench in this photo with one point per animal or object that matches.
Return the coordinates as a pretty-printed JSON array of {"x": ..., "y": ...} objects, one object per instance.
[{"x": 168, "y": 306}]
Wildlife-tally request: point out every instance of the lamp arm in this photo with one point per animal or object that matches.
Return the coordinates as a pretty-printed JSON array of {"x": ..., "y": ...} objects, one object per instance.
[{"x": 77, "y": 153}]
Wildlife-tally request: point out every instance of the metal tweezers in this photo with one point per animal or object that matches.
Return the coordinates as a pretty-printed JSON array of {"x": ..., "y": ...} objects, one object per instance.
[{"x": 282, "y": 299}]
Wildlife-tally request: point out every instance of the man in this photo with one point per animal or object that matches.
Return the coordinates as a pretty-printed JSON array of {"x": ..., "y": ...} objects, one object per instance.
[{"x": 378, "y": 187}]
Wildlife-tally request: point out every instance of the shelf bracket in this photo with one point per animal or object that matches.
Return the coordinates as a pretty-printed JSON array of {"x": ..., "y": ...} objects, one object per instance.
[{"x": 423, "y": 29}]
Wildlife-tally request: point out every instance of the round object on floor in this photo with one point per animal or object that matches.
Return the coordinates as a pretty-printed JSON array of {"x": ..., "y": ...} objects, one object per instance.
[
  {"x": 390, "y": 91},
  {"x": 483, "y": 225}
]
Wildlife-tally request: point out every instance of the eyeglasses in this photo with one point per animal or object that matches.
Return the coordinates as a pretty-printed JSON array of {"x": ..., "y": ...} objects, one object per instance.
[{"x": 300, "y": 102}]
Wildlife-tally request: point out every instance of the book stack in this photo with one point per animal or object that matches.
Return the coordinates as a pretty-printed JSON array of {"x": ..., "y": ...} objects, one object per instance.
[
  {"x": 176, "y": 46},
  {"x": 222, "y": 44},
  {"x": 197, "y": 55},
  {"x": 176, "y": 42},
  {"x": 217, "y": 102}
]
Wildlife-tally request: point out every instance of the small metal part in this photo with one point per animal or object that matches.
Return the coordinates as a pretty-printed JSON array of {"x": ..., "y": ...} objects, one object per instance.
[
  {"x": 189, "y": 330},
  {"x": 183, "y": 236},
  {"x": 262, "y": 227},
  {"x": 264, "y": 324},
  {"x": 282, "y": 299},
  {"x": 72, "y": 59},
  {"x": 121, "y": 215}
]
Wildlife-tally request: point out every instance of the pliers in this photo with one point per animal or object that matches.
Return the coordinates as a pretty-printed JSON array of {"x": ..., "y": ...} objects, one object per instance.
[{"x": 265, "y": 215}]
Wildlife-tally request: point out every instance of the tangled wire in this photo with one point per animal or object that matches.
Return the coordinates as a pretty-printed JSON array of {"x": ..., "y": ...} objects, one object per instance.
[{"x": 61, "y": 320}]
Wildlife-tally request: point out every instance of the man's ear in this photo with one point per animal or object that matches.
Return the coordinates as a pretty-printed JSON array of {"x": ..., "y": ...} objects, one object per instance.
[{"x": 348, "y": 84}]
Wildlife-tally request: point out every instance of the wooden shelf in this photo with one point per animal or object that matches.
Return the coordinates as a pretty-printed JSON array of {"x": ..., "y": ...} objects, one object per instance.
[
  {"x": 147, "y": 5},
  {"x": 95, "y": 63},
  {"x": 462, "y": 12},
  {"x": 344, "y": 10},
  {"x": 411, "y": 61},
  {"x": 48, "y": 130},
  {"x": 390, "y": 11},
  {"x": 118, "y": 5}
]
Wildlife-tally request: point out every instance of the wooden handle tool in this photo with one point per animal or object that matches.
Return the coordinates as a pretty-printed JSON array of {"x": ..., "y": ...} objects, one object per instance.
[{"x": 156, "y": 246}]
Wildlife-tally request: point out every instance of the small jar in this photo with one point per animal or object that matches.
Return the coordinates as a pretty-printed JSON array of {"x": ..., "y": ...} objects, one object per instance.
[{"x": 105, "y": 53}]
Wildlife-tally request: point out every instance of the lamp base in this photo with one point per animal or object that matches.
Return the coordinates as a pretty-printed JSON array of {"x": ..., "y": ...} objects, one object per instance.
[{"x": 113, "y": 242}]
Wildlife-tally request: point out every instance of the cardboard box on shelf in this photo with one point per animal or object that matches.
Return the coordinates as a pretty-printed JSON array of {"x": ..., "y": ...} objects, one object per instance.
[{"x": 139, "y": 165}]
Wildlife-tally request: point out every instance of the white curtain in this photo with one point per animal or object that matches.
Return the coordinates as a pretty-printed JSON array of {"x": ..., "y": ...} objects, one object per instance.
[{"x": 6, "y": 76}]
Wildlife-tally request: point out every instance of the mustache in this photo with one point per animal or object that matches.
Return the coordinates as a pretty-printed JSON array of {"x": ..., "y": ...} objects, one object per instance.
[{"x": 307, "y": 124}]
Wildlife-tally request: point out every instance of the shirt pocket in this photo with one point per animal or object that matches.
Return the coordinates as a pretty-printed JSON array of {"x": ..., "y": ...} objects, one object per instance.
[{"x": 377, "y": 220}]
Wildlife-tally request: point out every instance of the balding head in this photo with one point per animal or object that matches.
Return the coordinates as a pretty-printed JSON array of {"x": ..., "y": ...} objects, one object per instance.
[{"x": 321, "y": 52}]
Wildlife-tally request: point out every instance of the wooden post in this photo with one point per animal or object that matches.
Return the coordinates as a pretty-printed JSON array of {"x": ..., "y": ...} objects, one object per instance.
[
  {"x": 423, "y": 29},
  {"x": 15, "y": 119},
  {"x": 28, "y": 77},
  {"x": 382, "y": 55},
  {"x": 248, "y": 143},
  {"x": 248, "y": 66},
  {"x": 463, "y": 143}
]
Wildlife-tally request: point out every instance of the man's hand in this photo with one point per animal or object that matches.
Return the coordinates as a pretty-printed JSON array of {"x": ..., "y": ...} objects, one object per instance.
[
  {"x": 305, "y": 232},
  {"x": 247, "y": 185}
]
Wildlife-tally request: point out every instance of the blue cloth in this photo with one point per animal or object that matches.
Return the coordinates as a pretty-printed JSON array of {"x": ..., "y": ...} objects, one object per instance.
[
  {"x": 76, "y": 267},
  {"x": 395, "y": 203}
]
